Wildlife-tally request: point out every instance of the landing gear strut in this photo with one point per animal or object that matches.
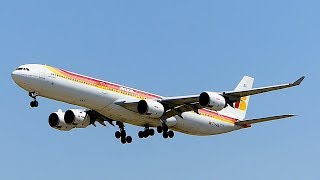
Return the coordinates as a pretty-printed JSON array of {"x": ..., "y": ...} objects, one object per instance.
[
  {"x": 34, "y": 95},
  {"x": 122, "y": 135},
  {"x": 165, "y": 131},
  {"x": 146, "y": 133}
]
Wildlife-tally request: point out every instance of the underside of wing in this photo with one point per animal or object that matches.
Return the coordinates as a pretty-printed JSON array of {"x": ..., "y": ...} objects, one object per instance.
[
  {"x": 97, "y": 117},
  {"x": 172, "y": 106},
  {"x": 130, "y": 105},
  {"x": 178, "y": 105}
]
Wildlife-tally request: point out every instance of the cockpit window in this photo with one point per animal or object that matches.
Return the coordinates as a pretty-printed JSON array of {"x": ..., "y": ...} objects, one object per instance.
[{"x": 25, "y": 69}]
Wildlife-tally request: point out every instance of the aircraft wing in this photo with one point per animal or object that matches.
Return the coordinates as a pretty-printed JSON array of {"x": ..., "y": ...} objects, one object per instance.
[
  {"x": 259, "y": 120},
  {"x": 232, "y": 96},
  {"x": 97, "y": 117},
  {"x": 173, "y": 105},
  {"x": 262, "y": 89},
  {"x": 130, "y": 105},
  {"x": 181, "y": 99},
  {"x": 179, "y": 104}
]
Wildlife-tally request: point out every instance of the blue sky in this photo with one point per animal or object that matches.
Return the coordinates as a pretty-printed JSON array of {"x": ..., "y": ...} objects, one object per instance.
[{"x": 169, "y": 48}]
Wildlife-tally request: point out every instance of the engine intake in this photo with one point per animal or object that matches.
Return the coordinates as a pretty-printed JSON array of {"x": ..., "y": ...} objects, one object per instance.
[
  {"x": 151, "y": 108},
  {"x": 56, "y": 121},
  {"x": 212, "y": 100},
  {"x": 77, "y": 117},
  {"x": 69, "y": 117},
  {"x": 53, "y": 120}
]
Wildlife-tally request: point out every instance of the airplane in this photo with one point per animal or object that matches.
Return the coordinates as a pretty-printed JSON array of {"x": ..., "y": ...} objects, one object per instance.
[{"x": 204, "y": 114}]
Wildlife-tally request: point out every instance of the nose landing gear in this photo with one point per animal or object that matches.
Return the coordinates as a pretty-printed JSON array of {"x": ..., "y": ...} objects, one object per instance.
[
  {"x": 34, "y": 95},
  {"x": 121, "y": 134}
]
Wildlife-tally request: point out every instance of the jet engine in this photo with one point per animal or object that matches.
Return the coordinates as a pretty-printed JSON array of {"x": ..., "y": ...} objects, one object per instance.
[
  {"x": 212, "y": 100},
  {"x": 56, "y": 120},
  {"x": 77, "y": 117},
  {"x": 151, "y": 108}
]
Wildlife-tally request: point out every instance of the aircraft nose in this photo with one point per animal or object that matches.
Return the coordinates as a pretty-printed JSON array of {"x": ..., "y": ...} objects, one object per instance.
[{"x": 15, "y": 75}]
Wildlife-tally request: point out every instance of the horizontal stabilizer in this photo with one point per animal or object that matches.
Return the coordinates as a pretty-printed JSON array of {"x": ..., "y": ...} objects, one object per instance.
[{"x": 259, "y": 120}]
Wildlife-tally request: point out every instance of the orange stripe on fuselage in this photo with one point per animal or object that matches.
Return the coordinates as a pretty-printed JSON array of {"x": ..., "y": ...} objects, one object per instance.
[
  {"x": 132, "y": 92},
  {"x": 102, "y": 84},
  {"x": 217, "y": 116}
]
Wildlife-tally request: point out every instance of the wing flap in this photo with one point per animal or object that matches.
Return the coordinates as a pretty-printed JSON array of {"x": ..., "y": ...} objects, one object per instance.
[
  {"x": 259, "y": 120},
  {"x": 180, "y": 100}
]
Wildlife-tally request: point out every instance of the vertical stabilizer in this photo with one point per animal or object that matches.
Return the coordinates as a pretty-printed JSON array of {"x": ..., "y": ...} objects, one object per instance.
[{"x": 239, "y": 108}]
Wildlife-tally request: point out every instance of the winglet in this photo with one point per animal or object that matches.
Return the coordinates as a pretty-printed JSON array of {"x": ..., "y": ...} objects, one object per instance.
[{"x": 298, "y": 82}]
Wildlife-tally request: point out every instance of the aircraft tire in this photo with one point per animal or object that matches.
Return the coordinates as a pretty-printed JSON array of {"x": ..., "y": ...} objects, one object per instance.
[
  {"x": 129, "y": 139},
  {"x": 159, "y": 129},
  {"x": 123, "y": 140},
  {"x": 165, "y": 135},
  {"x": 117, "y": 134},
  {"x": 170, "y": 134},
  {"x": 146, "y": 134},
  {"x": 141, "y": 134},
  {"x": 151, "y": 132}
]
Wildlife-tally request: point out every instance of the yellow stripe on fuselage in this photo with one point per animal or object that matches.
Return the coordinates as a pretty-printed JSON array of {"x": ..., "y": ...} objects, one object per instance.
[{"x": 203, "y": 112}]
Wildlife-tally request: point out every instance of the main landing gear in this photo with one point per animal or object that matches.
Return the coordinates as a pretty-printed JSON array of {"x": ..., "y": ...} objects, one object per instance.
[
  {"x": 146, "y": 133},
  {"x": 122, "y": 135},
  {"x": 165, "y": 131},
  {"x": 34, "y": 95}
]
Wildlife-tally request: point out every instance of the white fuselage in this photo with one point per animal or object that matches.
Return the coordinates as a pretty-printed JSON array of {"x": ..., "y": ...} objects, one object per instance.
[{"x": 85, "y": 92}]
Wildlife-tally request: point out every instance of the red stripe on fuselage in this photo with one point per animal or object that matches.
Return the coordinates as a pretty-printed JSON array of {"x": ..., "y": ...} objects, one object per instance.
[
  {"x": 211, "y": 112},
  {"x": 138, "y": 92},
  {"x": 106, "y": 84}
]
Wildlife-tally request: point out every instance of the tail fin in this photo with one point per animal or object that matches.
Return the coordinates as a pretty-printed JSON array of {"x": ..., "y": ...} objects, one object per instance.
[{"x": 239, "y": 108}]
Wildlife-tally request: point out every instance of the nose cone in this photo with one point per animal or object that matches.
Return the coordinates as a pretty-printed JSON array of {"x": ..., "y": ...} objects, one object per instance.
[
  {"x": 15, "y": 76},
  {"x": 20, "y": 79}
]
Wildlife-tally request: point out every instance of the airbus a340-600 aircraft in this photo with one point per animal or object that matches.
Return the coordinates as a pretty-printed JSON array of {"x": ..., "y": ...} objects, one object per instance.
[{"x": 207, "y": 113}]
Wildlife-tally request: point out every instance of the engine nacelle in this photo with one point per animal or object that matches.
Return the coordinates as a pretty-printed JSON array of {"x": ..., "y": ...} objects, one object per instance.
[
  {"x": 77, "y": 117},
  {"x": 151, "y": 108},
  {"x": 212, "y": 100},
  {"x": 56, "y": 120}
]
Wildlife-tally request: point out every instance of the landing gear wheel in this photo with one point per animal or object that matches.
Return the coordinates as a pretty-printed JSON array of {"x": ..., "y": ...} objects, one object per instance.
[
  {"x": 165, "y": 128},
  {"x": 117, "y": 134},
  {"x": 129, "y": 139},
  {"x": 146, "y": 134},
  {"x": 123, "y": 140},
  {"x": 159, "y": 129},
  {"x": 165, "y": 135},
  {"x": 151, "y": 132},
  {"x": 170, "y": 134},
  {"x": 141, "y": 134},
  {"x": 34, "y": 103},
  {"x": 34, "y": 95},
  {"x": 121, "y": 134}
]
